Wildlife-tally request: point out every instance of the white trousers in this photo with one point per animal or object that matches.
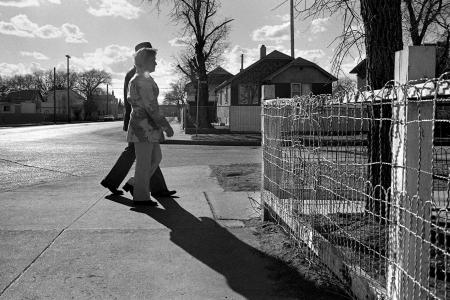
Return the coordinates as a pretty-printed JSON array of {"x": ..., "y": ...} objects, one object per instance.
[{"x": 148, "y": 158}]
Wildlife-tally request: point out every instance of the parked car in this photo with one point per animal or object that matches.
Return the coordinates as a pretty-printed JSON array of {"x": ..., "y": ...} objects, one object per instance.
[
  {"x": 119, "y": 117},
  {"x": 108, "y": 118}
]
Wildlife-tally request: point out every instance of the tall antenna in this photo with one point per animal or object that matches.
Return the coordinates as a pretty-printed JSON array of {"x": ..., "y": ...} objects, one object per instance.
[{"x": 292, "y": 29}]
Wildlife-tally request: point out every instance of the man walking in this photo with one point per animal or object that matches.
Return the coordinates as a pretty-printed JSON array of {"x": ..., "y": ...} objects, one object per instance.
[{"x": 123, "y": 164}]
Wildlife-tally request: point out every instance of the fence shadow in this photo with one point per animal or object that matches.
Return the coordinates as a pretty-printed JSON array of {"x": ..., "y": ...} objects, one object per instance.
[{"x": 248, "y": 271}]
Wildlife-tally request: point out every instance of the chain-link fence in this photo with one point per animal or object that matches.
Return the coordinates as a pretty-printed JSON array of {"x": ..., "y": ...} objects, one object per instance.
[{"x": 363, "y": 180}]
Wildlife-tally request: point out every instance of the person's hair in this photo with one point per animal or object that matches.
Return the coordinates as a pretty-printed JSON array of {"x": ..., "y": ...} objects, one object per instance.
[{"x": 142, "y": 56}]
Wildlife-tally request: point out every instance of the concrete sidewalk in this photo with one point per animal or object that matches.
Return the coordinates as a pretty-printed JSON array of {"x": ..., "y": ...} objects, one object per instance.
[
  {"x": 222, "y": 139},
  {"x": 73, "y": 240}
]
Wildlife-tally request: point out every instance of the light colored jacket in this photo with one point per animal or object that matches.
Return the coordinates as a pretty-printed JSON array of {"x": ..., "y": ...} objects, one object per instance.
[{"x": 146, "y": 124}]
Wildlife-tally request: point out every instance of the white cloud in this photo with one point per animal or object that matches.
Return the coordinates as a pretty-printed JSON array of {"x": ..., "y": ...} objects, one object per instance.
[
  {"x": 34, "y": 54},
  {"x": 318, "y": 25},
  {"x": 73, "y": 33},
  {"x": 178, "y": 42},
  {"x": 313, "y": 55},
  {"x": 48, "y": 32},
  {"x": 112, "y": 58},
  {"x": 26, "y": 3},
  {"x": 275, "y": 33},
  {"x": 21, "y": 26},
  {"x": 7, "y": 70},
  {"x": 284, "y": 18},
  {"x": 114, "y": 8}
]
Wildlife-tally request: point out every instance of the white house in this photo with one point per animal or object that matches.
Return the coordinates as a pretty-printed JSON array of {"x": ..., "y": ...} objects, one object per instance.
[{"x": 50, "y": 106}]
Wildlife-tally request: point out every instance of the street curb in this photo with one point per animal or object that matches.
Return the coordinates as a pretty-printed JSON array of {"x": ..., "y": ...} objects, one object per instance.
[{"x": 213, "y": 143}]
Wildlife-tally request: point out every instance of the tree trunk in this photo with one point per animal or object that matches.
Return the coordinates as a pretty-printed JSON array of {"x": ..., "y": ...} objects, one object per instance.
[{"x": 383, "y": 28}]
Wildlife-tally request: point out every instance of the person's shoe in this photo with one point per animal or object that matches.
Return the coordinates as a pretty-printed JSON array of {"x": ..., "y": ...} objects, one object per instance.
[
  {"x": 113, "y": 190},
  {"x": 145, "y": 203},
  {"x": 166, "y": 193},
  {"x": 128, "y": 188}
]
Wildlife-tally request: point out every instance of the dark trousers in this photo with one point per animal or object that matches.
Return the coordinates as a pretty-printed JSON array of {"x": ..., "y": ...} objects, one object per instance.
[{"x": 123, "y": 165}]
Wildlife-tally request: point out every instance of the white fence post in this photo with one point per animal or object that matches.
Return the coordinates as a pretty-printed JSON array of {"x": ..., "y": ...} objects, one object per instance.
[{"x": 411, "y": 187}]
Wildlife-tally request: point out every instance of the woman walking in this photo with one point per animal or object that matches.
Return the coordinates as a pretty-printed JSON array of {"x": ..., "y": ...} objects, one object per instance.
[{"x": 146, "y": 124}]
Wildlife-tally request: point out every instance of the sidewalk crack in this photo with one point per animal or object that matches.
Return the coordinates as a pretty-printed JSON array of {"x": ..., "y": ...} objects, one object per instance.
[{"x": 49, "y": 245}]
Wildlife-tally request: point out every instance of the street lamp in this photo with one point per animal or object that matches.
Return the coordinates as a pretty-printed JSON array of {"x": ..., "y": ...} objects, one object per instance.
[{"x": 68, "y": 94}]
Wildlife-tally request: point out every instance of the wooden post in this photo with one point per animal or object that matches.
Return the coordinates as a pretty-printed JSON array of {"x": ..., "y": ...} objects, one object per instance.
[{"x": 411, "y": 187}]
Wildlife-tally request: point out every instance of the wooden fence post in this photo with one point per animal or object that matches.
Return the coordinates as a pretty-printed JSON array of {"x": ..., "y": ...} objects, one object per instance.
[{"x": 412, "y": 180}]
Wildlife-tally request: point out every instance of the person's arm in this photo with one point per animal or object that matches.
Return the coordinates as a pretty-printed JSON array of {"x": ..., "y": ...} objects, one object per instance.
[
  {"x": 145, "y": 90},
  {"x": 126, "y": 117}
]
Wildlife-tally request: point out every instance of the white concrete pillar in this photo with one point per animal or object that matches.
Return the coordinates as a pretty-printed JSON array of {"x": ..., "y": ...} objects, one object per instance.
[{"x": 411, "y": 187}]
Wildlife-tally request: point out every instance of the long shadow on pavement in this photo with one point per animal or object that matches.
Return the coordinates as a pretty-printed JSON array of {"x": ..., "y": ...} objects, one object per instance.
[{"x": 249, "y": 272}]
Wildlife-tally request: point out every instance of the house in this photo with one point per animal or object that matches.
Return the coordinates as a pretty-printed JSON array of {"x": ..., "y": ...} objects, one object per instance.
[
  {"x": 21, "y": 102},
  {"x": 107, "y": 104},
  {"x": 360, "y": 71},
  {"x": 76, "y": 102},
  {"x": 239, "y": 98},
  {"x": 215, "y": 77}
]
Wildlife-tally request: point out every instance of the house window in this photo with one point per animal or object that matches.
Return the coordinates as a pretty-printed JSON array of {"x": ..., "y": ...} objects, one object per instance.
[
  {"x": 248, "y": 94},
  {"x": 299, "y": 89},
  {"x": 7, "y": 108}
]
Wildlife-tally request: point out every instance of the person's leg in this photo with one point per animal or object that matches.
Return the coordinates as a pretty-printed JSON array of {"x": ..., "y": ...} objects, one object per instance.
[
  {"x": 156, "y": 159},
  {"x": 142, "y": 171},
  {"x": 157, "y": 182},
  {"x": 120, "y": 169}
]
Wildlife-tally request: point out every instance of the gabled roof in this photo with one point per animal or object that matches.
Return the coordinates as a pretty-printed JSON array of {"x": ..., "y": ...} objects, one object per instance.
[
  {"x": 360, "y": 68},
  {"x": 23, "y": 95},
  {"x": 216, "y": 76},
  {"x": 274, "y": 55},
  {"x": 301, "y": 62},
  {"x": 219, "y": 71}
]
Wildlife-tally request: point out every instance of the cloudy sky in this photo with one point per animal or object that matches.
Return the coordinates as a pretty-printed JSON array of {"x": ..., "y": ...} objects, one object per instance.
[{"x": 37, "y": 34}]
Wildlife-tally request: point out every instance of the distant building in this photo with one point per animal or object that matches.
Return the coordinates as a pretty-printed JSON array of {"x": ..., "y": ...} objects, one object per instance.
[
  {"x": 274, "y": 75},
  {"x": 106, "y": 105},
  {"x": 360, "y": 71},
  {"x": 21, "y": 102},
  {"x": 215, "y": 77},
  {"x": 49, "y": 106}
]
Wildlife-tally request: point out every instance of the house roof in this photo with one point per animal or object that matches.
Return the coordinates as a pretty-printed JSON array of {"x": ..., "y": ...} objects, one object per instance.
[
  {"x": 300, "y": 62},
  {"x": 274, "y": 55},
  {"x": 23, "y": 95},
  {"x": 360, "y": 68},
  {"x": 216, "y": 76}
]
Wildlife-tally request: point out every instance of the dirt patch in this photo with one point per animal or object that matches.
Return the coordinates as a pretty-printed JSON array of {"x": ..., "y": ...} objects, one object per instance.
[
  {"x": 238, "y": 177},
  {"x": 305, "y": 277}
]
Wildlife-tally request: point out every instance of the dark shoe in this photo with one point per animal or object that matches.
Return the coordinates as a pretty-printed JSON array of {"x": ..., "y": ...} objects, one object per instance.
[
  {"x": 128, "y": 188},
  {"x": 164, "y": 194},
  {"x": 113, "y": 190},
  {"x": 145, "y": 203}
]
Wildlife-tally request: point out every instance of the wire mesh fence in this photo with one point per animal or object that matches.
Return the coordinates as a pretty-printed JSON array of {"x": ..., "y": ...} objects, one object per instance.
[{"x": 365, "y": 176}]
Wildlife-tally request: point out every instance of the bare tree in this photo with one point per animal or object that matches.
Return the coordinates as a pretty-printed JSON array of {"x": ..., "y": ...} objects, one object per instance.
[
  {"x": 205, "y": 39},
  {"x": 382, "y": 36},
  {"x": 89, "y": 81},
  {"x": 176, "y": 95}
]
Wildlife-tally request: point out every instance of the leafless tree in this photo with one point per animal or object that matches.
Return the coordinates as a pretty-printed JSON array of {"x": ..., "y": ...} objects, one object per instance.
[
  {"x": 381, "y": 32},
  {"x": 176, "y": 94},
  {"x": 205, "y": 39},
  {"x": 88, "y": 81},
  {"x": 429, "y": 21}
]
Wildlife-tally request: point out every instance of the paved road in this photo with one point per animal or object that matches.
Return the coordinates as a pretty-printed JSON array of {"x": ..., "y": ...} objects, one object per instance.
[{"x": 38, "y": 154}]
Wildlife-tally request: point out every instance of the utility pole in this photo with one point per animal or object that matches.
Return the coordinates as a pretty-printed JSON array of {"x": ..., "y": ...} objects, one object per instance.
[
  {"x": 106, "y": 98},
  {"x": 292, "y": 29},
  {"x": 68, "y": 86},
  {"x": 54, "y": 95}
]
